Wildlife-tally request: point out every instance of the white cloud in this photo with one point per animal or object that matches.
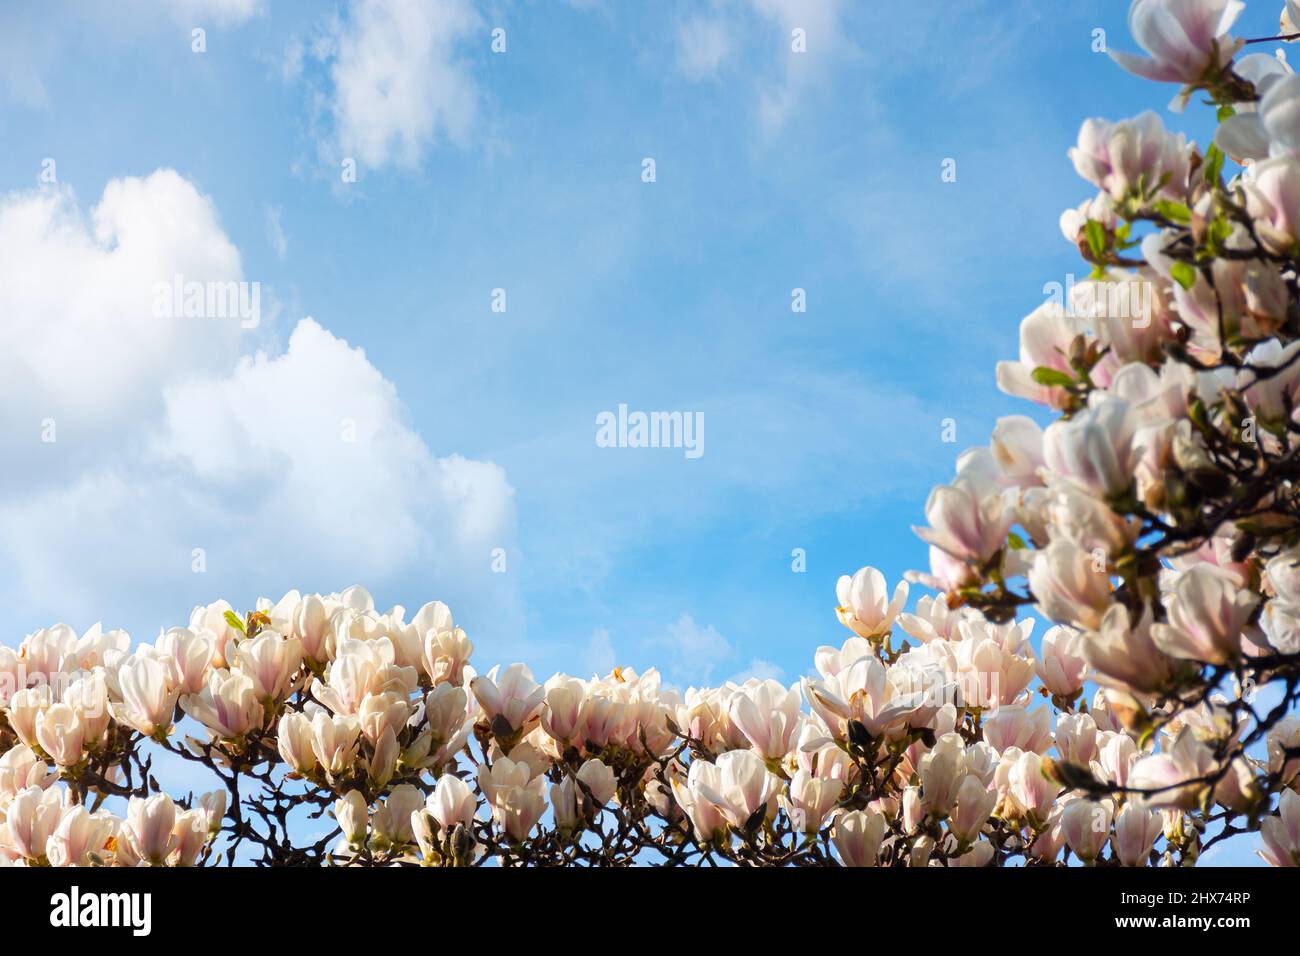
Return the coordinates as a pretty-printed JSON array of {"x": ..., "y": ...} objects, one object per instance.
[
  {"x": 397, "y": 81},
  {"x": 783, "y": 76},
  {"x": 275, "y": 231},
  {"x": 289, "y": 467},
  {"x": 702, "y": 44},
  {"x": 759, "y": 669},
  {"x": 694, "y": 651},
  {"x": 598, "y": 657},
  {"x": 224, "y": 12}
]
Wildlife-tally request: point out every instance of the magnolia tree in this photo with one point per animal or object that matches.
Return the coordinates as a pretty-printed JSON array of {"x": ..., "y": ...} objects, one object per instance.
[{"x": 1156, "y": 522}]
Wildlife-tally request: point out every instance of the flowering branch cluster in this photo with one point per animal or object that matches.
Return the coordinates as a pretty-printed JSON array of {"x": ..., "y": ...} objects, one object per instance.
[{"x": 1156, "y": 523}]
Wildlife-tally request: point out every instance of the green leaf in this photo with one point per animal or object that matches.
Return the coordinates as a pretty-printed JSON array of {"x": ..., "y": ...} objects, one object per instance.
[
  {"x": 233, "y": 620},
  {"x": 1224, "y": 112},
  {"x": 1213, "y": 164},
  {"x": 1184, "y": 274},
  {"x": 1096, "y": 234},
  {"x": 1174, "y": 211},
  {"x": 1051, "y": 377},
  {"x": 1016, "y": 542}
]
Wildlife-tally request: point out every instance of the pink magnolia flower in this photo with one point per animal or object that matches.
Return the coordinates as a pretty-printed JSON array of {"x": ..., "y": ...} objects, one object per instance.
[
  {"x": 512, "y": 695},
  {"x": 975, "y": 802},
  {"x": 1015, "y": 726},
  {"x": 769, "y": 717},
  {"x": 1273, "y": 201},
  {"x": 149, "y": 829},
  {"x": 1095, "y": 448},
  {"x": 79, "y": 836},
  {"x": 1068, "y": 585},
  {"x": 1076, "y": 738},
  {"x": 865, "y": 606},
  {"x": 1127, "y": 656},
  {"x": 810, "y": 799},
  {"x": 1061, "y": 666},
  {"x": 1136, "y": 832},
  {"x": 966, "y": 525},
  {"x": 1121, "y": 157},
  {"x": 1085, "y": 824},
  {"x": 1206, "y": 613},
  {"x": 1187, "y": 40},
  {"x": 1172, "y": 779},
  {"x": 1281, "y": 833},
  {"x": 857, "y": 837},
  {"x": 1045, "y": 338}
]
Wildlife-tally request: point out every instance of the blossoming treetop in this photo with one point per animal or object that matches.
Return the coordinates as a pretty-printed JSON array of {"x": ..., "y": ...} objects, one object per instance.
[{"x": 1156, "y": 524}]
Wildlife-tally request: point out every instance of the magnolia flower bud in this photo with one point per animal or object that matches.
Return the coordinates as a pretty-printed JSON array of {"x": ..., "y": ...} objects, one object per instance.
[
  {"x": 334, "y": 742},
  {"x": 191, "y": 834},
  {"x": 352, "y": 815},
  {"x": 229, "y": 706},
  {"x": 865, "y": 606},
  {"x": 188, "y": 657},
  {"x": 445, "y": 654},
  {"x": 294, "y": 741},
  {"x": 1061, "y": 666},
  {"x": 768, "y": 715},
  {"x": 975, "y": 802},
  {"x": 392, "y": 821},
  {"x": 452, "y": 802},
  {"x": 150, "y": 828},
  {"x": 270, "y": 661},
  {"x": 1086, "y": 827},
  {"x": 1136, "y": 832},
  {"x": 25, "y": 710},
  {"x": 148, "y": 696},
  {"x": 60, "y": 734},
  {"x": 857, "y": 836},
  {"x": 564, "y": 697},
  {"x": 810, "y": 799}
]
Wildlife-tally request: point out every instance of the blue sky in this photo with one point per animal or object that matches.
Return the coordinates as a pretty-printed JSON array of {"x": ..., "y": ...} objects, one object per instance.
[{"x": 522, "y": 170}]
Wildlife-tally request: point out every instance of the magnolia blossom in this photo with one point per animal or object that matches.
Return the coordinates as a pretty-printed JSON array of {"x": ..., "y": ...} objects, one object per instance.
[
  {"x": 1175, "y": 777},
  {"x": 1187, "y": 41},
  {"x": 865, "y": 606},
  {"x": 148, "y": 695},
  {"x": 1046, "y": 336},
  {"x": 513, "y": 696},
  {"x": 1207, "y": 611},
  {"x": 769, "y": 717},
  {"x": 1069, "y": 585},
  {"x": 1131, "y": 155},
  {"x": 1061, "y": 665},
  {"x": 1136, "y": 832},
  {"x": 1281, "y": 833},
  {"x": 857, "y": 836},
  {"x": 1085, "y": 824}
]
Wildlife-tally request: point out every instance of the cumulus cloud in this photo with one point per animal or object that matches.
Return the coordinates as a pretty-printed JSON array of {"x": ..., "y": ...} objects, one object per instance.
[
  {"x": 759, "y": 669},
  {"x": 397, "y": 81},
  {"x": 289, "y": 466},
  {"x": 694, "y": 651},
  {"x": 224, "y": 12}
]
